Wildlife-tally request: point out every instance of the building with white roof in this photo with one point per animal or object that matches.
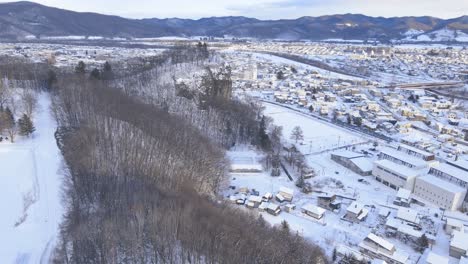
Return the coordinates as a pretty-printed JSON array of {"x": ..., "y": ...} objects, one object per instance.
[
  {"x": 394, "y": 175},
  {"x": 401, "y": 227},
  {"x": 450, "y": 173},
  {"x": 314, "y": 211},
  {"x": 380, "y": 248},
  {"x": 439, "y": 192},
  {"x": 433, "y": 258},
  {"x": 356, "y": 212},
  {"x": 403, "y": 197},
  {"x": 408, "y": 215},
  {"x": 287, "y": 193},
  {"x": 412, "y": 151},
  {"x": 458, "y": 244},
  {"x": 356, "y": 162},
  {"x": 452, "y": 225},
  {"x": 402, "y": 158}
]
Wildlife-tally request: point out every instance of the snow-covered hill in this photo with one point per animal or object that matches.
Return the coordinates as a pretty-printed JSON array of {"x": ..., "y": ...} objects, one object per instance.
[{"x": 441, "y": 35}]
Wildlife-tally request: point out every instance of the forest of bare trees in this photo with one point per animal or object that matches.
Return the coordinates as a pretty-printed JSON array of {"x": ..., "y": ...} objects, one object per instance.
[{"x": 143, "y": 166}]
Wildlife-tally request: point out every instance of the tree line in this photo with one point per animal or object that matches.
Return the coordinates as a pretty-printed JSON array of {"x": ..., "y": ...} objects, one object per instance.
[{"x": 144, "y": 166}]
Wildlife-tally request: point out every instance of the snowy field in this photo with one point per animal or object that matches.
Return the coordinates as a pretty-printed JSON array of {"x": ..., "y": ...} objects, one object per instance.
[
  {"x": 302, "y": 66},
  {"x": 30, "y": 192},
  {"x": 318, "y": 135}
]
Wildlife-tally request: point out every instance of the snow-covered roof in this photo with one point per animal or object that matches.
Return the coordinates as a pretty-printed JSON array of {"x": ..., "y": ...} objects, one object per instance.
[
  {"x": 459, "y": 240},
  {"x": 378, "y": 261},
  {"x": 286, "y": 190},
  {"x": 399, "y": 169},
  {"x": 452, "y": 171},
  {"x": 408, "y": 215},
  {"x": 313, "y": 209},
  {"x": 433, "y": 258},
  {"x": 438, "y": 182},
  {"x": 380, "y": 241},
  {"x": 384, "y": 211},
  {"x": 245, "y": 163},
  {"x": 363, "y": 214},
  {"x": 347, "y": 154},
  {"x": 408, "y": 230},
  {"x": 355, "y": 207},
  {"x": 454, "y": 222},
  {"x": 416, "y": 162},
  {"x": 273, "y": 206},
  {"x": 363, "y": 163},
  {"x": 255, "y": 198},
  {"x": 463, "y": 260},
  {"x": 403, "y": 193},
  {"x": 263, "y": 205},
  {"x": 422, "y": 152},
  {"x": 461, "y": 163}
]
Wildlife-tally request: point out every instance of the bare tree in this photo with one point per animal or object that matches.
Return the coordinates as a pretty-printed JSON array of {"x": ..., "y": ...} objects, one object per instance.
[
  {"x": 297, "y": 134},
  {"x": 5, "y": 93},
  {"x": 29, "y": 101}
]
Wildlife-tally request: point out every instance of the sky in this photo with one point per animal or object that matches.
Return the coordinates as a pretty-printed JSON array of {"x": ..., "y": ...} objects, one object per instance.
[{"x": 263, "y": 9}]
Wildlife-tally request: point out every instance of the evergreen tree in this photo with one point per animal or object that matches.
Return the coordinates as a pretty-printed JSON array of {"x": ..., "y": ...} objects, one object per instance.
[
  {"x": 107, "y": 71},
  {"x": 8, "y": 123},
  {"x": 262, "y": 134},
  {"x": 95, "y": 74},
  {"x": 80, "y": 68},
  {"x": 280, "y": 75},
  {"x": 422, "y": 243},
  {"x": 26, "y": 126}
]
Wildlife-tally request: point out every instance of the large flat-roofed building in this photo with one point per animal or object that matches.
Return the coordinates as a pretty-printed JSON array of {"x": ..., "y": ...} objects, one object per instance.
[
  {"x": 395, "y": 175},
  {"x": 441, "y": 193},
  {"x": 422, "y": 154},
  {"x": 356, "y": 162},
  {"x": 451, "y": 174},
  {"x": 402, "y": 158}
]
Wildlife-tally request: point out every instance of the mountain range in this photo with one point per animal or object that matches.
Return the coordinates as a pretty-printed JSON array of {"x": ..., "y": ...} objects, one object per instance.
[{"x": 23, "y": 19}]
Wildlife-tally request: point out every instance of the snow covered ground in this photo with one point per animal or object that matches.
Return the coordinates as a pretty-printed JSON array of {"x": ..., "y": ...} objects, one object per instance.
[
  {"x": 318, "y": 135},
  {"x": 30, "y": 192},
  {"x": 279, "y": 60}
]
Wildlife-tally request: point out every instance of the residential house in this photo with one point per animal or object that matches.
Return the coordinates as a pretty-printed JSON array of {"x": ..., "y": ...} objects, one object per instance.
[
  {"x": 313, "y": 211},
  {"x": 356, "y": 212},
  {"x": 458, "y": 244}
]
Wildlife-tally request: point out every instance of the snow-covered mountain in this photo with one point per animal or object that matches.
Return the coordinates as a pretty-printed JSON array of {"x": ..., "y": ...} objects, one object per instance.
[
  {"x": 441, "y": 35},
  {"x": 19, "y": 20}
]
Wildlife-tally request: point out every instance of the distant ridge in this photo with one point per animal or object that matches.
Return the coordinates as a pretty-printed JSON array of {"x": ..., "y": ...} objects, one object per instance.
[{"x": 31, "y": 20}]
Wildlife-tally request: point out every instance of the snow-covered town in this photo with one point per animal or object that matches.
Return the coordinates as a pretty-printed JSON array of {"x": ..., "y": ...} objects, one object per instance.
[
  {"x": 269, "y": 132},
  {"x": 378, "y": 169}
]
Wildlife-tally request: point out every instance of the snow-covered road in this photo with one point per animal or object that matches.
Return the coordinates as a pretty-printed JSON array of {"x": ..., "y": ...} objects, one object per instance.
[{"x": 30, "y": 193}]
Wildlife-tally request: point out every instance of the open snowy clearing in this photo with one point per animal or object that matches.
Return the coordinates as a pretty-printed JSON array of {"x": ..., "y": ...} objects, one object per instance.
[
  {"x": 279, "y": 60},
  {"x": 30, "y": 192},
  {"x": 318, "y": 136}
]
